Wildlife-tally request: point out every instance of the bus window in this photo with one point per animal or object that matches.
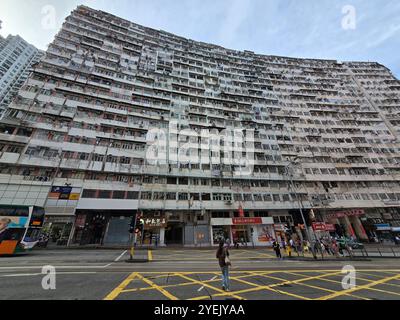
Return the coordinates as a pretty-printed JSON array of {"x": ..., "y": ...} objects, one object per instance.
[
  {"x": 22, "y": 212},
  {"x": 37, "y": 218},
  {"x": 7, "y": 212}
]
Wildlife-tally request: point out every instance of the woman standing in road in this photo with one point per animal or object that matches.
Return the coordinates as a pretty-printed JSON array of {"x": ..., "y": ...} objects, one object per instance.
[{"x": 224, "y": 263}]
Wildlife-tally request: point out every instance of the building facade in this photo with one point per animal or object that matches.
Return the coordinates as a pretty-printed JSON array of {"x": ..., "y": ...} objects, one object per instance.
[
  {"x": 16, "y": 58},
  {"x": 206, "y": 142}
]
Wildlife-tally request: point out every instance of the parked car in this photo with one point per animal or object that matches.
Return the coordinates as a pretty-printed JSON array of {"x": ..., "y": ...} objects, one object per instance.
[{"x": 351, "y": 243}]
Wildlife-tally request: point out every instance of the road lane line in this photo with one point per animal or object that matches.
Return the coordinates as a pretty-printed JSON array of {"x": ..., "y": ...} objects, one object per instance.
[
  {"x": 120, "y": 256},
  {"x": 212, "y": 279},
  {"x": 357, "y": 288},
  {"x": 116, "y": 292},
  {"x": 157, "y": 287},
  {"x": 222, "y": 292},
  {"x": 40, "y": 274},
  {"x": 59, "y": 267}
]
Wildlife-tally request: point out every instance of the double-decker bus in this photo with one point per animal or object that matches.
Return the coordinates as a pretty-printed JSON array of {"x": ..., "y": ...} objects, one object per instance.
[{"x": 20, "y": 227}]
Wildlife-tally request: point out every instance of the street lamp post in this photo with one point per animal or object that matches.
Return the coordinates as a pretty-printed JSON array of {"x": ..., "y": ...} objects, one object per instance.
[{"x": 297, "y": 198}]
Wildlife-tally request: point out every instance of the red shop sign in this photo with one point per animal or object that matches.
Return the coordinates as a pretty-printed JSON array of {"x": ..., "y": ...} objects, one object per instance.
[
  {"x": 319, "y": 226},
  {"x": 244, "y": 221},
  {"x": 330, "y": 227}
]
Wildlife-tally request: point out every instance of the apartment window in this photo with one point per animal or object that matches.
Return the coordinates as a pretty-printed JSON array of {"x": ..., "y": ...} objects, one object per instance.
[
  {"x": 89, "y": 193},
  {"x": 118, "y": 195},
  {"x": 383, "y": 196},
  {"x": 195, "y": 196},
  {"x": 258, "y": 197},
  {"x": 238, "y": 197},
  {"x": 205, "y": 197},
  {"x": 171, "y": 180},
  {"x": 182, "y": 196},
  {"x": 285, "y": 197},
  {"x": 267, "y": 197},
  {"x": 260, "y": 214},
  {"x": 145, "y": 195},
  {"x": 374, "y": 196},
  {"x": 217, "y": 196},
  {"x": 276, "y": 197},
  {"x": 158, "y": 196},
  {"x": 364, "y": 196},
  {"x": 248, "y": 197},
  {"x": 147, "y": 179},
  {"x": 348, "y": 196},
  {"x": 133, "y": 195},
  {"x": 104, "y": 194},
  {"x": 171, "y": 196},
  {"x": 227, "y": 197},
  {"x": 220, "y": 214}
]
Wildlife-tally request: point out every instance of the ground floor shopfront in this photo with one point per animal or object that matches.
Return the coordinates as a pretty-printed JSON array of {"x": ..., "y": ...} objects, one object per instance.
[
  {"x": 192, "y": 228},
  {"x": 373, "y": 225},
  {"x": 256, "y": 231},
  {"x": 197, "y": 228}
]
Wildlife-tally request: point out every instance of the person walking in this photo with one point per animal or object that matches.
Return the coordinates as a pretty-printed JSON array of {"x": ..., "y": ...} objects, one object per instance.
[
  {"x": 335, "y": 248},
  {"x": 277, "y": 249},
  {"x": 224, "y": 263}
]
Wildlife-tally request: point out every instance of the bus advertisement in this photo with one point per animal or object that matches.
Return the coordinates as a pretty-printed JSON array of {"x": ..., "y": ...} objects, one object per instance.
[{"x": 20, "y": 228}]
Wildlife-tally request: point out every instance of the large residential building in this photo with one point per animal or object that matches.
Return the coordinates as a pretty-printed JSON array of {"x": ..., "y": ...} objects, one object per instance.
[
  {"x": 118, "y": 119},
  {"x": 16, "y": 59}
]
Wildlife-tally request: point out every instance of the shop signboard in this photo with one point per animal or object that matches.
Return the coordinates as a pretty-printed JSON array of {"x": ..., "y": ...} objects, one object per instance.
[
  {"x": 330, "y": 227},
  {"x": 349, "y": 213},
  {"x": 383, "y": 227},
  {"x": 319, "y": 226},
  {"x": 63, "y": 193},
  {"x": 153, "y": 221},
  {"x": 246, "y": 221},
  {"x": 279, "y": 227}
]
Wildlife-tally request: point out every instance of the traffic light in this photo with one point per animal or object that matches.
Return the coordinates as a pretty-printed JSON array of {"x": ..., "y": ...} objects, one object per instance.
[
  {"x": 132, "y": 225},
  {"x": 139, "y": 224}
]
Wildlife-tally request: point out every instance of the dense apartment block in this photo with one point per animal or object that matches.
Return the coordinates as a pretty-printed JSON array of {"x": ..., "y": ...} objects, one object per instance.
[
  {"x": 315, "y": 136},
  {"x": 16, "y": 58}
]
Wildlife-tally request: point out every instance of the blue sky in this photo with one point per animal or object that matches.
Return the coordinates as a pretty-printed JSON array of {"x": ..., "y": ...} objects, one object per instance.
[{"x": 298, "y": 28}]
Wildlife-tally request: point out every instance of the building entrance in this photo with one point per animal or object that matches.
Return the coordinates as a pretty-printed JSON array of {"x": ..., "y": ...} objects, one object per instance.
[{"x": 174, "y": 234}]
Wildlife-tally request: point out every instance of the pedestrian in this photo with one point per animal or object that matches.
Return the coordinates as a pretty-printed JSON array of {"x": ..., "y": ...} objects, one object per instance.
[
  {"x": 293, "y": 246},
  {"x": 277, "y": 249},
  {"x": 306, "y": 246},
  {"x": 224, "y": 262},
  {"x": 299, "y": 248},
  {"x": 289, "y": 250},
  {"x": 335, "y": 248}
]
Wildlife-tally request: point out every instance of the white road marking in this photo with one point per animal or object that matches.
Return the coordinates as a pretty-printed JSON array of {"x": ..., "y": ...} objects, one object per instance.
[
  {"x": 208, "y": 280},
  {"x": 40, "y": 274},
  {"x": 122, "y": 254},
  {"x": 59, "y": 267}
]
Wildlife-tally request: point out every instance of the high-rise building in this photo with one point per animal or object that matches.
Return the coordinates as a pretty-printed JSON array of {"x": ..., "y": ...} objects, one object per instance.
[
  {"x": 204, "y": 141},
  {"x": 16, "y": 58}
]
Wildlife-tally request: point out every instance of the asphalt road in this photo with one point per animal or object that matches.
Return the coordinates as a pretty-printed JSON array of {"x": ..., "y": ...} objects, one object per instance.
[{"x": 192, "y": 274}]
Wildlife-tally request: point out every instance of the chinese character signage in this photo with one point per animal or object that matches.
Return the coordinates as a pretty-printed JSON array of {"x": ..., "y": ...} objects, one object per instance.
[
  {"x": 245, "y": 221},
  {"x": 153, "y": 221}
]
